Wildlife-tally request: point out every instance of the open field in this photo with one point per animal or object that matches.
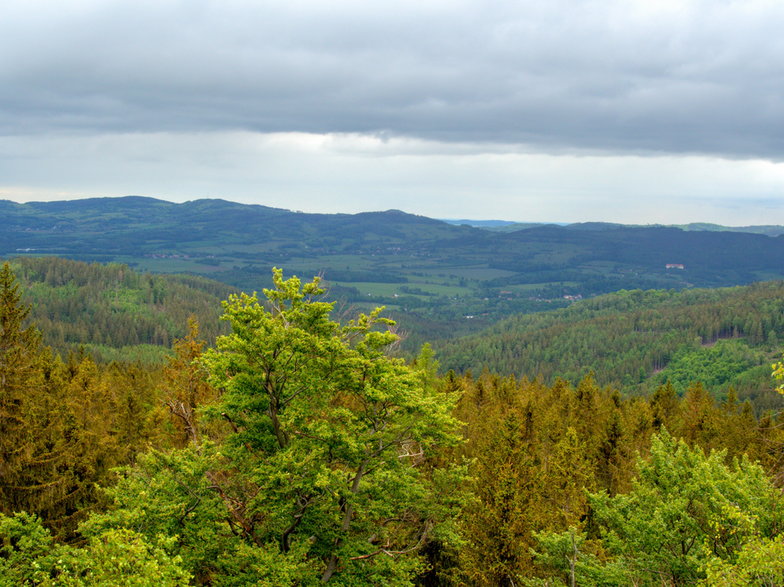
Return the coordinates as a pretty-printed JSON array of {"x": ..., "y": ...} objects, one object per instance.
[{"x": 440, "y": 273}]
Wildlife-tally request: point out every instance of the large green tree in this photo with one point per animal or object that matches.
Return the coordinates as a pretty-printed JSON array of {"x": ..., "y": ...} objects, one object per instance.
[
  {"x": 328, "y": 466},
  {"x": 331, "y": 437}
]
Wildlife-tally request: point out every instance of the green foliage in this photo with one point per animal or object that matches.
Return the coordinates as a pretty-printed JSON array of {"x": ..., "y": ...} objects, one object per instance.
[
  {"x": 714, "y": 366},
  {"x": 568, "y": 557},
  {"x": 26, "y": 550},
  {"x": 146, "y": 354},
  {"x": 114, "y": 312},
  {"x": 30, "y": 556},
  {"x": 171, "y": 495},
  {"x": 121, "y": 557},
  {"x": 760, "y": 562},
  {"x": 778, "y": 373},
  {"x": 264, "y": 565},
  {"x": 685, "y": 509},
  {"x": 331, "y": 437}
]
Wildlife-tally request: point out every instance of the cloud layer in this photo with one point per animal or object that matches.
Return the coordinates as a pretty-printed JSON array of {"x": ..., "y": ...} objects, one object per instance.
[
  {"x": 563, "y": 78},
  {"x": 701, "y": 77}
]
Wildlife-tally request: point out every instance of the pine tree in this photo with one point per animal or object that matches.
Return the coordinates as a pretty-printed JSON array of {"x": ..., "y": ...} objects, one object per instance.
[
  {"x": 30, "y": 451},
  {"x": 186, "y": 386},
  {"x": 51, "y": 450}
]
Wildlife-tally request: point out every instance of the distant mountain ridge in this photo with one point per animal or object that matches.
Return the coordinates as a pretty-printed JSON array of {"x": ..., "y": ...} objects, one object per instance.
[
  {"x": 138, "y": 227},
  {"x": 437, "y": 278},
  {"x": 510, "y": 226},
  {"x": 146, "y": 209},
  {"x": 43, "y": 224}
]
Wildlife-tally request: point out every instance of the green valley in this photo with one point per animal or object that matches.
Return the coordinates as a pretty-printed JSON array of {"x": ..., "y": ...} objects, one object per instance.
[{"x": 451, "y": 279}]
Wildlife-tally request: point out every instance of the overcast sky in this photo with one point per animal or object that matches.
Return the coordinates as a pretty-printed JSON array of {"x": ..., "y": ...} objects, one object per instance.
[{"x": 635, "y": 111}]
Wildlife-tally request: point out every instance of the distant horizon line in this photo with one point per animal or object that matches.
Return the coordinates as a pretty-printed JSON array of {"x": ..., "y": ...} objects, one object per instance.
[{"x": 475, "y": 222}]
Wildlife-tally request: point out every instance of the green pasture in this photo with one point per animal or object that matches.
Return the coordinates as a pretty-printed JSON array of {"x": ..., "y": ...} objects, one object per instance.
[
  {"x": 480, "y": 273},
  {"x": 390, "y": 289},
  {"x": 600, "y": 267},
  {"x": 528, "y": 288},
  {"x": 170, "y": 265}
]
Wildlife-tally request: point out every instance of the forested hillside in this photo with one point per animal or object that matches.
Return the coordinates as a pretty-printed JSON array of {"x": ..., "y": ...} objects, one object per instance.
[
  {"x": 637, "y": 340},
  {"x": 113, "y": 311},
  {"x": 298, "y": 452},
  {"x": 434, "y": 276},
  {"x": 634, "y": 340}
]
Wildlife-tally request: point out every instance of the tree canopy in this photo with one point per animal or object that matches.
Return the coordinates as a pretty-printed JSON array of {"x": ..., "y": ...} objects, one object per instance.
[{"x": 297, "y": 450}]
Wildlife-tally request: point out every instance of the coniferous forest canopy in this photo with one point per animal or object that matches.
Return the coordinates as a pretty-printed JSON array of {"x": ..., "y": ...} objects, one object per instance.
[{"x": 291, "y": 444}]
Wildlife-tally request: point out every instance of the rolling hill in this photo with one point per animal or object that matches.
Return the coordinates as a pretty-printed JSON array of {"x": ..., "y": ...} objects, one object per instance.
[
  {"x": 113, "y": 312},
  {"x": 638, "y": 340},
  {"x": 437, "y": 279}
]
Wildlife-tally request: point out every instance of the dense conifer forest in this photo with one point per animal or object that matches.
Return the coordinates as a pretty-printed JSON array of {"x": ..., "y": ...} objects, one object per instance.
[
  {"x": 287, "y": 448},
  {"x": 637, "y": 340},
  {"x": 114, "y": 312}
]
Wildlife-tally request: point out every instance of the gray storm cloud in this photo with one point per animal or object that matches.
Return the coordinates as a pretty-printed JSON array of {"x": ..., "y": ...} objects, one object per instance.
[{"x": 642, "y": 77}]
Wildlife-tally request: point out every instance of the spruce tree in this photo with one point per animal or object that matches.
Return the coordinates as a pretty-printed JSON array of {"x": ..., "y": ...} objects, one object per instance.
[
  {"x": 36, "y": 453},
  {"x": 24, "y": 454},
  {"x": 186, "y": 387}
]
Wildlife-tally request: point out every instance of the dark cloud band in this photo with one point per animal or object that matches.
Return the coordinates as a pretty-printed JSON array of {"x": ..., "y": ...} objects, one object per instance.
[{"x": 689, "y": 77}]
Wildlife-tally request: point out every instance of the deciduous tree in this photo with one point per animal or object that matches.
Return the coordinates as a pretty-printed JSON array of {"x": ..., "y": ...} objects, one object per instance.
[{"x": 330, "y": 435}]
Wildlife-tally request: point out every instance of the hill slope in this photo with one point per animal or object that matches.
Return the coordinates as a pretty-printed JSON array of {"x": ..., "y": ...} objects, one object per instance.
[
  {"x": 217, "y": 237},
  {"x": 639, "y": 339},
  {"x": 114, "y": 312},
  {"x": 438, "y": 279}
]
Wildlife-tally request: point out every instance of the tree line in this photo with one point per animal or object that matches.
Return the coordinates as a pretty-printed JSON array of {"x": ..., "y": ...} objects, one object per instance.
[{"x": 296, "y": 451}]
